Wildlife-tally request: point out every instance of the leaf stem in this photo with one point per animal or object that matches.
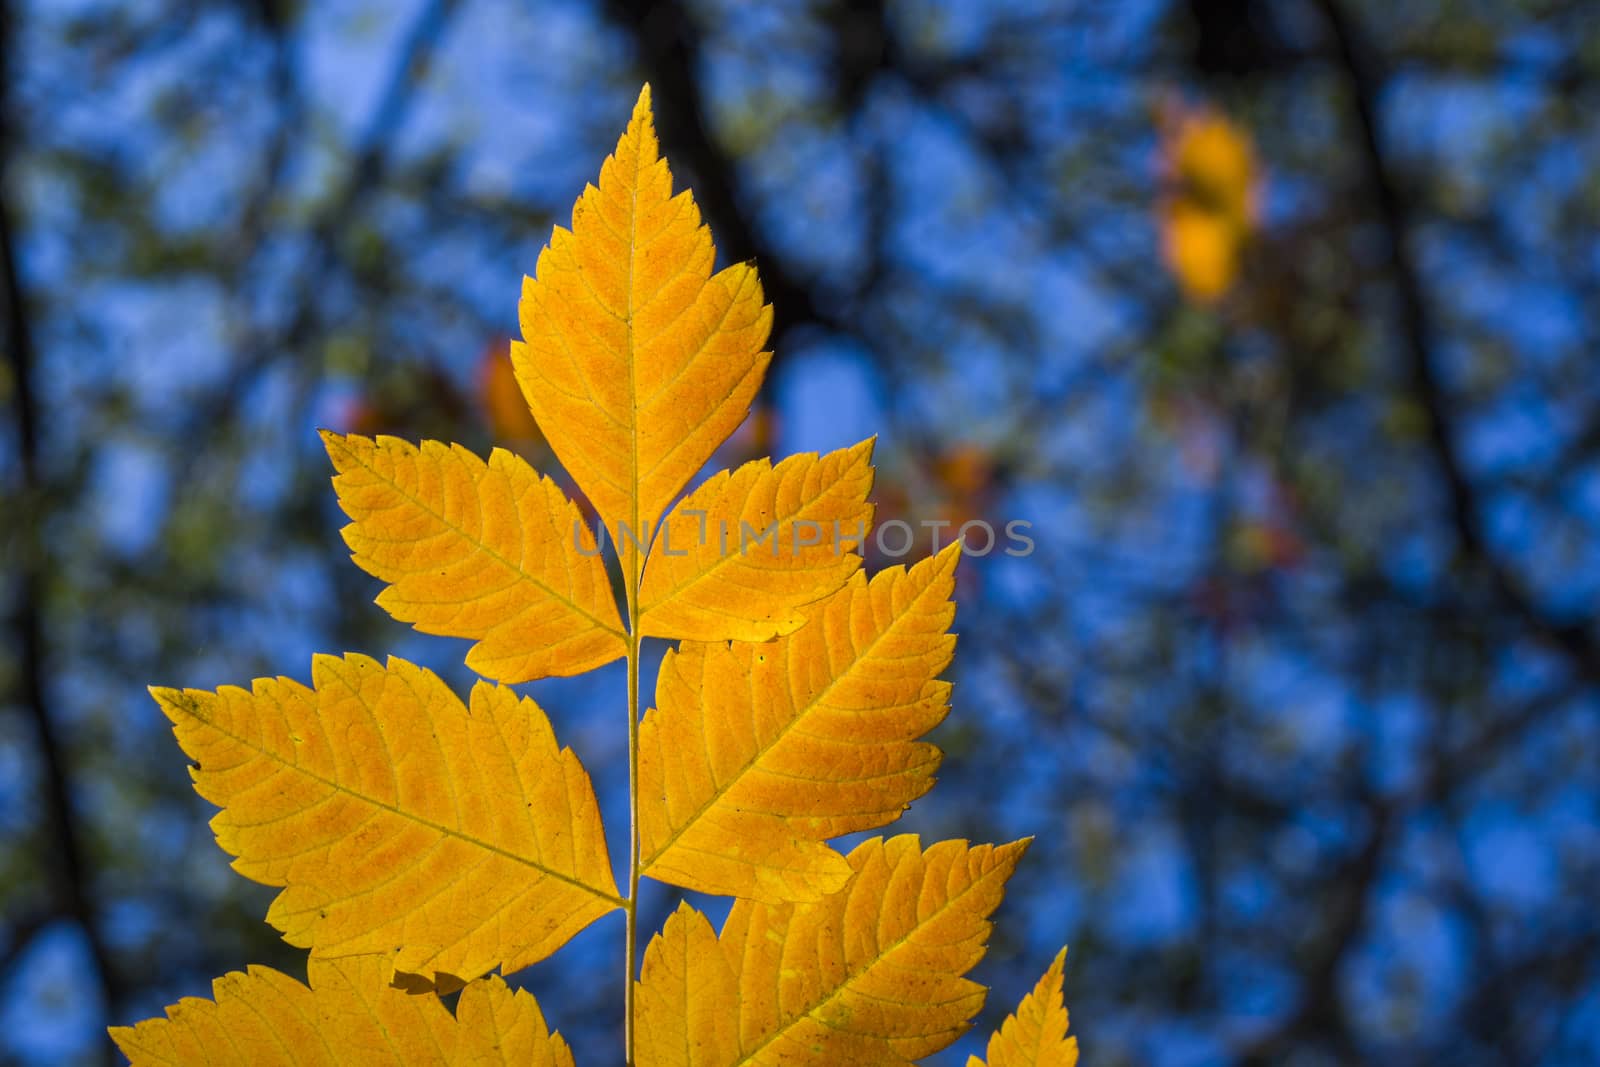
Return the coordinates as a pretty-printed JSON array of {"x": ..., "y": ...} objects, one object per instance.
[{"x": 631, "y": 937}]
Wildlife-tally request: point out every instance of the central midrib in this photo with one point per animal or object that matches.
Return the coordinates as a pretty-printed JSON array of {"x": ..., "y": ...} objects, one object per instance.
[{"x": 640, "y": 545}]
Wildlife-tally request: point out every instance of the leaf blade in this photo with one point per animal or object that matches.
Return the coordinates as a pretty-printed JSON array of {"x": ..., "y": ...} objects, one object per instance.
[
  {"x": 742, "y": 555},
  {"x": 873, "y": 974},
  {"x": 684, "y": 992},
  {"x": 636, "y": 360},
  {"x": 905, "y": 908},
  {"x": 377, "y": 799},
  {"x": 348, "y": 1015},
  {"x": 755, "y": 755},
  {"x": 1035, "y": 1035},
  {"x": 489, "y": 551}
]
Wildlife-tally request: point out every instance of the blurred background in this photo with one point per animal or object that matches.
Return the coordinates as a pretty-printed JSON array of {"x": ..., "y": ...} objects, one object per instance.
[{"x": 1277, "y": 320}]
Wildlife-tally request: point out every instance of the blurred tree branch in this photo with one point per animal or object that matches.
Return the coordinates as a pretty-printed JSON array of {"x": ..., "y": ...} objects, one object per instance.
[
  {"x": 71, "y": 873},
  {"x": 262, "y": 347},
  {"x": 668, "y": 45},
  {"x": 1364, "y": 79}
]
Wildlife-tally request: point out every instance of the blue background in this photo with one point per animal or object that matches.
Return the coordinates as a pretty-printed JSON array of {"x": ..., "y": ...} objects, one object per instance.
[{"x": 1297, "y": 692}]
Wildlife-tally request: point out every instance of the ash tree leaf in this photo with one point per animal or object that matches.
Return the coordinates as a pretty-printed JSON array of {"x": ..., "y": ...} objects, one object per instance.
[
  {"x": 1035, "y": 1035},
  {"x": 349, "y": 1017},
  {"x": 741, "y": 555},
  {"x": 399, "y": 821},
  {"x": 871, "y": 975},
  {"x": 489, "y": 551},
  {"x": 636, "y": 360},
  {"x": 421, "y": 842},
  {"x": 756, "y": 754}
]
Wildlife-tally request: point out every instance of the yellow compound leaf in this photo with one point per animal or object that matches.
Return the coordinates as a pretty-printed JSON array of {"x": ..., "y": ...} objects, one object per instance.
[
  {"x": 871, "y": 975},
  {"x": 490, "y": 551},
  {"x": 758, "y": 753},
  {"x": 741, "y": 556},
  {"x": 636, "y": 360},
  {"x": 1036, "y": 1035},
  {"x": 400, "y": 822},
  {"x": 420, "y": 842},
  {"x": 349, "y": 1017}
]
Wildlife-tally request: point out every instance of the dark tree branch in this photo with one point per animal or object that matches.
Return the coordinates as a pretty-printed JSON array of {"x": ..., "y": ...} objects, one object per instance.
[
  {"x": 23, "y": 930},
  {"x": 71, "y": 870},
  {"x": 1360, "y": 70},
  {"x": 1318, "y": 1014},
  {"x": 289, "y": 102},
  {"x": 367, "y": 170},
  {"x": 670, "y": 53}
]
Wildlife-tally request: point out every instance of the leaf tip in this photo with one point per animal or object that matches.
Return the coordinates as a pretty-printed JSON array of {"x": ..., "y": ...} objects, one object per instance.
[
  {"x": 332, "y": 439},
  {"x": 643, "y": 121},
  {"x": 1011, "y": 853},
  {"x": 126, "y": 1039},
  {"x": 948, "y": 556},
  {"x": 341, "y": 449},
  {"x": 174, "y": 703}
]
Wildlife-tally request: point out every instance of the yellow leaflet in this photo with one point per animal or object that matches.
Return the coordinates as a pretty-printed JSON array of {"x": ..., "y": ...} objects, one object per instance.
[
  {"x": 871, "y": 975},
  {"x": 636, "y": 360},
  {"x": 398, "y": 821},
  {"x": 740, "y": 557},
  {"x": 757, "y": 754},
  {"x": 490, "y": 551},
  {"x": 687, "y": 997},
  {"x": 350, "y": 1017},
  {"x": 1036, "y": 1035}
]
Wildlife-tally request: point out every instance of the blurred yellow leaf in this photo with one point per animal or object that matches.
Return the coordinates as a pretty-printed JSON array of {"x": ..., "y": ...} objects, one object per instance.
[
  {"x": 1210, "y": 210},
  {"x": 501, "y": 397}
]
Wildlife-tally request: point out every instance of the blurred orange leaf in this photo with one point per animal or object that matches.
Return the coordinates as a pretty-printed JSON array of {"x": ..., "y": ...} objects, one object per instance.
[
  {"x": 501, "y": 397},
  {"x": 1210, "y": 209}
]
